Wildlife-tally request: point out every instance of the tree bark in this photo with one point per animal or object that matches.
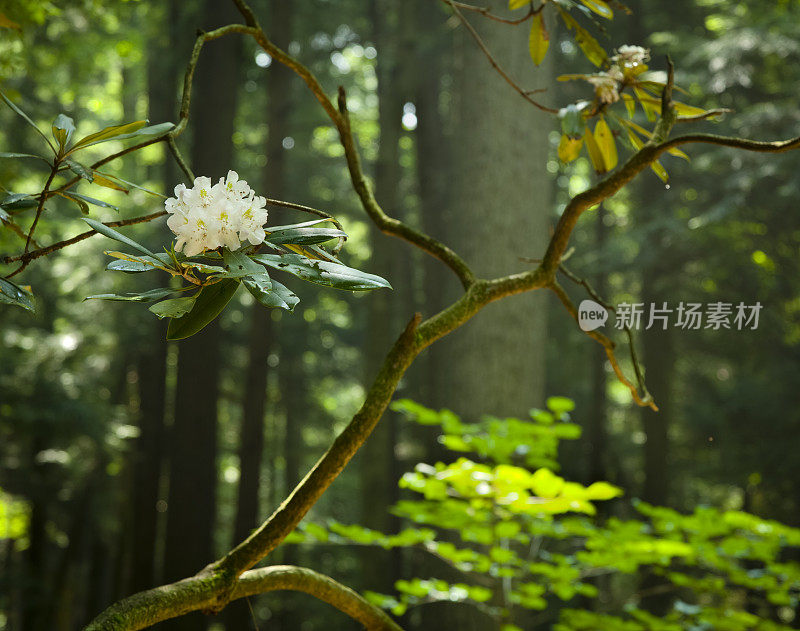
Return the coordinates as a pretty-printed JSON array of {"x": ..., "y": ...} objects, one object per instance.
[{"x": 193, "y": 480}]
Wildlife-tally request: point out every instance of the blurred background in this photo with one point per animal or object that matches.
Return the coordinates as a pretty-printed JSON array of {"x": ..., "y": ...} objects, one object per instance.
[{"x": 126, "y": 461}]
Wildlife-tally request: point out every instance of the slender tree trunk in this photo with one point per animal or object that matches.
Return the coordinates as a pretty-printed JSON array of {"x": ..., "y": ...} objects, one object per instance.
[
  {"x": 193, "y": 480},
  {"x": 377, "y": 460},
  {"x": 251, "y": 448}
]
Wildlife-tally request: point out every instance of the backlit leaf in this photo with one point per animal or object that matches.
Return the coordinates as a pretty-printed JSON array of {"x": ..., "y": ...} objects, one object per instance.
[
  {"x": 539, "y": 39},
  {"x": 209, "y": 303}
]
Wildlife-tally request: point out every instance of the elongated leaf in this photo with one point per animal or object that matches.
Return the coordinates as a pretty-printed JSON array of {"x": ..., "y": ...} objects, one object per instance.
[
  {"x": 63, "y": 127},
  {"x": 79, "y": 169},
  {"x": 600, "y": 7},
  {"x": 303, "y": 224},
  {"x": 630, "y": 104},
  {"x": 606, "y": 143},
  {"x": 539, "y": 39},
  {"x": 210, "y": 302},
  {"x": 147, "y": 296},
  {"x": 203, "y": 267},
  {"x": 593, "y": 51},
  {"x": 84, "y": 207},
  {"x": 569, "y": 148},
  {"x": 323, "y": 272},
  {"x": 517, "y": 4},
  {"x": 595, "y": 155},
  {"x": 131, "y": 263},
  {"x": 650, "y": 105},
  {"x": 104, "y": 181},
  {"x": 173, "y": 307},
  {"x": 304, "y": 236},
  {"x": 113, "y": 234},
  {"x": 121, "y": 134},
  {"x": 107, "y": 133},
  {"x": 660, "y": 171},
  {"x": 28, "y": 120},
  {"x": 131, "y": 184},
  {"x": 239, "y": 265},
  {"x": 18, "y": 200},
  {"x": 13, "y": 294},
  {"x": 271, "y": 293},
  {"x": 5, "y": 154},
  {"x": 90, "y": 200}
]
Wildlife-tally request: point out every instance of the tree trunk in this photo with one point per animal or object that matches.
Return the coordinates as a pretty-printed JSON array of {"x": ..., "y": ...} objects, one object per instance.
[
  {"x": 251, "y": 448},
  {"x": 193, "y": 479}
]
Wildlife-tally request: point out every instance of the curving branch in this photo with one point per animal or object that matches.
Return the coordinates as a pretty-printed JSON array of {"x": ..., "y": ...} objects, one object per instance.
[
  {"x": 227, "y": 578},
  {"x": 198, "y": 593},
  {"x": 487, "y": 13}
]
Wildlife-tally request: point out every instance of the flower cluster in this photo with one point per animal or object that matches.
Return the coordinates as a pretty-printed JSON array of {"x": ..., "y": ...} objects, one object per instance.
[
  {"x": 207, "y": 217},
  {"x": 606, "y": 84},
  {"x": 630, "y": 56}
]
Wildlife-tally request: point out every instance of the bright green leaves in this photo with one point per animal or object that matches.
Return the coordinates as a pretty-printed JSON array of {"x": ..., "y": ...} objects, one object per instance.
[
  {"x": 518, "y": 4},
  {"x": 539, "y": 39},
  {"x": 600, "y": 7},
  {"x": 13, "y": 294}
]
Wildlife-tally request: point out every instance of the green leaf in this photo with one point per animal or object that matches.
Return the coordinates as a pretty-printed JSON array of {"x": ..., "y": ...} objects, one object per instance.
[
  {"x": 126, "y": 182},
  {"x": 120, "y": 132},
  {"x": 63, "y": 127},
  {"x": 239, "y": 265},
  {"x": 173, "y": 307},
  {"x": 304, "y": 236},
  {"x": 113, "y": 234},
  {"x": 595, "y": 155},
  {"x": 79, "y": 169},
  {"x": 13, "y": 294},
  {"x": 90, "y": 200},
  {"x": 209, "y": 303},
  {"x": 146, "y": 296},
  {"x": 323, "y": 272},
  {"x": 131, "y": 263},
  {"x": 560, "y": 405},
  {"x": 28, "y": 120},
  {"x": 517, "y": 4},
  {"x": 5, "y": 154},
  {"x": 539, "y": 39},
  {"x": 18, "y": 200},
  {"x": 271, "y": 293},
  {"x": 630, "y": 104},
  {"x": 572, "y": 122},
  {"x": 84, "y": 207}
]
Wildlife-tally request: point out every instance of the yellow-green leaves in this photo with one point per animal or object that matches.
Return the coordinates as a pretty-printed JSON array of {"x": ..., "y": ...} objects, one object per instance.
[
  {"x": 601, "y": 146},
  {"x": 606, "y": 144},
  {"x": 600, "y": 7},
  {"x": 591, "y": 48},
  {"x": 518, "y": 4},
  {"x": 569, "y": 148},
  {"x": 63, "y": 127},
  {"x": 539, "y": 39}
]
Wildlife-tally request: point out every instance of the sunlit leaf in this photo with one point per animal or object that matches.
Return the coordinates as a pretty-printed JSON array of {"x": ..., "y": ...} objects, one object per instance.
[
  {"x": 595, "y": 155},
  {"x": 539, "y": 39},
  {"x": 121, "y": 132},
  {"x": 600, "y": 7},
  {"x": 593, "y": 51},
  {"x": 146, "y": 296},
  {"x": 79, "y": 169},
  {"x": 63, "y": 127},
  {"x": 606, "y": 143},
  {"x": 518, "y": 4},
  {"x": 106, "y": 182},
  {"x": 569, "y": 148},
  {"x": 630, "y": 104}
]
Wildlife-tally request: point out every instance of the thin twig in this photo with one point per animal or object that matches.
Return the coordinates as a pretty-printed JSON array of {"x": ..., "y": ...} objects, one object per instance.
[
  {"x": 486, "y": 12},
  {"x": 525, "y": 94},
  {"x": 313, "y": 211}
]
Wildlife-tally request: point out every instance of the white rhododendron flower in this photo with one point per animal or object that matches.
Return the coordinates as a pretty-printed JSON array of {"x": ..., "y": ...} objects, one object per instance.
[
  {"x": 207, "y": 217},
  {"x": 606, "y": 85},
  {"x": 629, "y": 56}
]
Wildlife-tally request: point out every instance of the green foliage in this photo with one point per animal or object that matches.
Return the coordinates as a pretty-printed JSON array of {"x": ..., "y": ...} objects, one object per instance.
[{"x": 519, "y": 530}]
